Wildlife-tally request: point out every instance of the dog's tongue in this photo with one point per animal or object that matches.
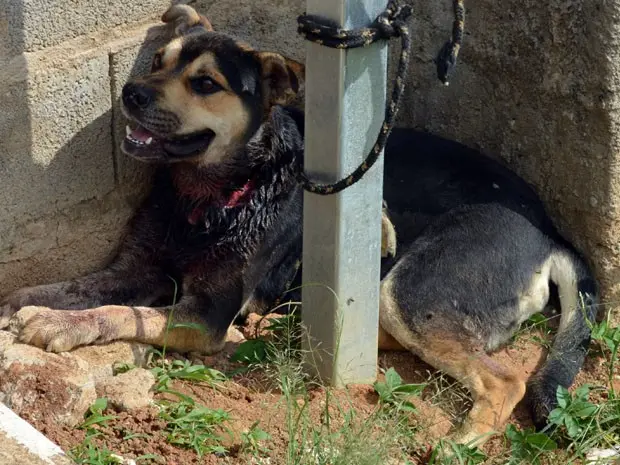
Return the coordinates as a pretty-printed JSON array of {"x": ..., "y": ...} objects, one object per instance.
[{"x": 141, "y": 134}]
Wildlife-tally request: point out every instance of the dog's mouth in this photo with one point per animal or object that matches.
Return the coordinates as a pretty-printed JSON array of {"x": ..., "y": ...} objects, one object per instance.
[{"x": 145, "y": 145}]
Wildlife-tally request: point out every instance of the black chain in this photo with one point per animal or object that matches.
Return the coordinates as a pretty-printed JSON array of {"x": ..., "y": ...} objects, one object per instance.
[{"x": 390, "y": 23}]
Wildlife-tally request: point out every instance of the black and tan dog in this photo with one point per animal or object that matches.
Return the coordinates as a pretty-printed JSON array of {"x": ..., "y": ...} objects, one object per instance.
[{"x": 476, "y": 256}]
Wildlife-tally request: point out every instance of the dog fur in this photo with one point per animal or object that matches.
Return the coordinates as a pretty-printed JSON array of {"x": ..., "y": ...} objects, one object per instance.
[{"x": 469, "y": 252}]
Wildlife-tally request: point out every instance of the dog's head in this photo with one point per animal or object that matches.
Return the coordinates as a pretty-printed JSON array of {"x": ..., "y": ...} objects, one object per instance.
[{"x": 205, "y": 96}]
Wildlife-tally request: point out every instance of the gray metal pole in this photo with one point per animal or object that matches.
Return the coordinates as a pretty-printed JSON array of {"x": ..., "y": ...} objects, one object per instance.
[{"x": 345, "y": 105}]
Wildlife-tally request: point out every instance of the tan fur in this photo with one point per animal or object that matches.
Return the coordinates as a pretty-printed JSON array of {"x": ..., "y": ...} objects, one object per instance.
[
  {"x": 278, "y": 88},
  {"x": 170, "y": 53},
  {"x": 185, "y": 17},
  {"x": 387, "y": 342},
  {"x": 495, "y": 389},
  {"x": 222, "y": 112},
  {"x": 63, "y": 330},
  {"x": 388, "y": 236}
]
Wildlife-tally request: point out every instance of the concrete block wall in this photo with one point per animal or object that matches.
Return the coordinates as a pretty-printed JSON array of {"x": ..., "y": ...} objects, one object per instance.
[
  {"x": 66, "y": 191},
  {"x": 537, "y": 85}
]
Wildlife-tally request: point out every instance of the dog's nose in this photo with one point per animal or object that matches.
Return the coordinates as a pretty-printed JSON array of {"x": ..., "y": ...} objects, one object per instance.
[{"x": 137, "y": 95}]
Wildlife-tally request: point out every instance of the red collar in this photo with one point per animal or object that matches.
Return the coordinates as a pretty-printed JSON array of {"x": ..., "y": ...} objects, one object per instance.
[{"x": 235, "y": 199}]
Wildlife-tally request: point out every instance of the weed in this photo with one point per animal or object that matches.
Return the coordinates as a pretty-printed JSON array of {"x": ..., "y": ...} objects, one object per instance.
[
  {"x": 583, "y": 425},
  {"x": 575, "y": 414},
  {"x": 166, "y": 371},
  {"x": 251, "y": 440},
  {"x": 451, "y": 453},
  {"x": 195, "y": 426},
  {"x": 394, "y": 393},
  {"x": 450, "y": 395},
  {"x": 527, "y": 446},
  {"x": 95, "y": 416},
  {"x": 122, "y": 367},
  {"x": 87, "y": 452},
  {"x": 608, "y": 338},
  {"x": 536, "y": 329}
]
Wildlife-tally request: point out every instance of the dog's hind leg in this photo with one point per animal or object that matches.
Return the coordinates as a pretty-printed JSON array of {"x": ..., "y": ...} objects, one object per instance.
[{"x": 448, "y": 346}]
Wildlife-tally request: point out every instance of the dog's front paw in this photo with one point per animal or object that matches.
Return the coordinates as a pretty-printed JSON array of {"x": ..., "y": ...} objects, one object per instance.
[{"x": 54, "y": 330}]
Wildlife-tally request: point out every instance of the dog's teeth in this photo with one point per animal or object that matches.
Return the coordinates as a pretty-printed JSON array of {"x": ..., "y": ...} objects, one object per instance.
[
  {"x": 148, "y": 141},
  {"x": 127, "y": 130}
]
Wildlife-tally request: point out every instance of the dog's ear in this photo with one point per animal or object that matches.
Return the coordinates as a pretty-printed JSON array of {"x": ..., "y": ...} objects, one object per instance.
[
  {"x": 185, "y": 18},
  {"x": 282, "y": 78}
]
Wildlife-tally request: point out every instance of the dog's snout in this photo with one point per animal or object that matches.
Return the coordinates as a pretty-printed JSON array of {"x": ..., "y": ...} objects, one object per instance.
[{"x": 137, "y": 96}]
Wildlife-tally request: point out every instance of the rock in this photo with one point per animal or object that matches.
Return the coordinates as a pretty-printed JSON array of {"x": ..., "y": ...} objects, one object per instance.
[
  {"x": 40, "y": 385},
  {"x": 101, "y": 358},
  {"x": 128, "y": 390},
  {"x": 35, "y": 383}
]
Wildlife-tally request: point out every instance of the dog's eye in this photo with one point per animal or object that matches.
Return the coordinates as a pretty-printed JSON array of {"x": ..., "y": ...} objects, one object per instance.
[
  {"x": 204, "y": 85},
  {"x": 156, "y": 65}
]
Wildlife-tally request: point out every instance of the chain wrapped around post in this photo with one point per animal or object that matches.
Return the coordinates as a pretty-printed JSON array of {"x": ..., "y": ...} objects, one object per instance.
[{"x": 392, "y": 22}]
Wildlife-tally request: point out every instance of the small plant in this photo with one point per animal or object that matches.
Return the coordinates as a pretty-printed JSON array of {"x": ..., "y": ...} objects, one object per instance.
[
  {"x": 88, "y": 453},
  {"x": 195, "y": 426},
  {"x": 122, "y": 367},
  {"x": 609, "y": 339},
  {"x": 95, "y": 416},
  {"x": 527, "y": 446},
  {"x": 394, "y": 393},
  {"x": 252, "y": 438},
  {"x": 536, "y": 329},
  {"x": 574, "y": 414},
  {"x": 251, "y": 351},
  {"x": 283, "y": 334},
  {"x": 451, "y": 453},
  {"x": 167, "y": 371}
]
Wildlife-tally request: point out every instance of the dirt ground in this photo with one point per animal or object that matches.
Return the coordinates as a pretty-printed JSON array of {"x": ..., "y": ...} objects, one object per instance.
[{"x": 249, "y": 398}]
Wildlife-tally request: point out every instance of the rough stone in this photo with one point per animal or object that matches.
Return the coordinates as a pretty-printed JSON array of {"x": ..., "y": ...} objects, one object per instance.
[
  {"x": 62, "y": 386},
  {"x": 102, "y": 358},
  {"x": 128, "y": 390},
  {"x": 59, "y": 215},
  {"x": 30, "y": 377},
  {"x": 536, "y": 85},
  {"x": 265, "y": 24},
  {"x": 56, "y": 142},
  {"x": 37, "y": 24}
]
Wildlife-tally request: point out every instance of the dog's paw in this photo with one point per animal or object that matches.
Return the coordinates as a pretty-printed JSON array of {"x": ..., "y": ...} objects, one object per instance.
[
  {"x": 54, "y": 330},
  {"x": 388, "y": 237}
]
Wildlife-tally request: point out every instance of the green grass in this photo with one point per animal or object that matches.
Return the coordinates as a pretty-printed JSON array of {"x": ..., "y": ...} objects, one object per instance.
[
  {"x": 88, "y": 452},
  {"x": 194, "y": 426},
  {"x": 586, "y": 417}
]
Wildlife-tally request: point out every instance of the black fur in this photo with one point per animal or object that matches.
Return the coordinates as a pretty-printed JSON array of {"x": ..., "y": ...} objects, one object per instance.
[{"x": 471, "y": 237}]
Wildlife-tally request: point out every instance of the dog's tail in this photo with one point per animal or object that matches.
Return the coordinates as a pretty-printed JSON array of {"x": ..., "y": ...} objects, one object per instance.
[{"x": 578, "y": 295}]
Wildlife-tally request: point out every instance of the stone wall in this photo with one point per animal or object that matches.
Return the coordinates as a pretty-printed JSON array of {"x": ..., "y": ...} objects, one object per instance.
[{"x": 536, "y": 86}]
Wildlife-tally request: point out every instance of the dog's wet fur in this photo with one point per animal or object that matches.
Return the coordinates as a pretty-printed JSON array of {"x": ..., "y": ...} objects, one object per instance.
[{"x": 470, "y": 253}]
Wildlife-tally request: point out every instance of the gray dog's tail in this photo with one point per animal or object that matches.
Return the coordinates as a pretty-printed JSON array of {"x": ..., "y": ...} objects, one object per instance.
[{"x": 578, "y": 295}]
